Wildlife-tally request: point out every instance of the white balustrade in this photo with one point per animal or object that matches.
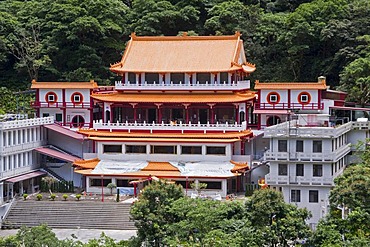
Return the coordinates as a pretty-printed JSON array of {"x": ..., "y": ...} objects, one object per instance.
[
  {"x": 26, "y": 123},
  {"x": 238, "y": 85},
  {"x": 292, "y": 128},
  {"x": 297, "y": 180},
  {"x": 99, "y": 125}
]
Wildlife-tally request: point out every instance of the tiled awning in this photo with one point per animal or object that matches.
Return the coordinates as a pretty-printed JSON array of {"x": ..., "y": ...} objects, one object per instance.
[
  {"x": 25, "y": 176},
  {"x": 57, "y": 154},
  {"x": 64, "y": 131}
]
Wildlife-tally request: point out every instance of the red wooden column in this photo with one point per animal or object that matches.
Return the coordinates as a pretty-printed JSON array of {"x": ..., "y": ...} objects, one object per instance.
[
  {"x": 186, "y": 106},
  {"x": 159, "y": 111},
  {"x": 236, "y": 112},
  {"x": 64, "y": 106},
  {"x": 111, "y": 113},
  {"x": 242, "y": 147},
  {"x": 134, "y": 107},
  {"x": 212, "y": 118}
]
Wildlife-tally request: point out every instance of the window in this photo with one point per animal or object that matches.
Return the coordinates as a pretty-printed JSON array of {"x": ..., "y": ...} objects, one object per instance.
[
  {"x": 299, "y": 146},
  {"x": 112, "y": 148},
  {"x": 317, "y": 171},
  {"x": 313, "y": 196},
  {"x": 163, "y": 149},
  {"x": 304, "y": 98},
  {"x": 216, "y": 150},
  {"x": 317, "y": 146},
  {"x": 135, "y": 149},
  {"x": 299, "y": 170},
  {"x": 295, "y": 196},
  {"x": 123, "y": 183},
  {"x": 282, "y": 146},
  {"x": 76, "y": 98},
  {"x": 212, "y": 185},
  {"x": 58, "y": 117},
  {"x": 273, "y": 98},
  {"x": 283, "y": 169},
  {"x": 51, "y": 97},
  {"x": 98, "y": 182},
  {"x": 45, "y": 115},
  {"x": 191, "y": 149}
]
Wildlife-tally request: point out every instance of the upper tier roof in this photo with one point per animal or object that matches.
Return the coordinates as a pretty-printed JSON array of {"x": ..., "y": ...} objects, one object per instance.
[
  {"x": 175, "y": 98},
  {"x": 160, "y": 54},
  {"x": 64, "y": 85}
]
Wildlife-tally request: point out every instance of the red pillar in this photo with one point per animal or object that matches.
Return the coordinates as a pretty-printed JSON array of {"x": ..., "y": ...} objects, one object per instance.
[
  {"x": 111, "y": 113},
  {"x": 212, "y": 116},
  {"x": 135, "y": 194}
]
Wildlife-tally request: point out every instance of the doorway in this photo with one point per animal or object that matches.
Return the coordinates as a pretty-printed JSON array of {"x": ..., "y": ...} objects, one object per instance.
[
  {"x": 152, "y": 115},
  {"x": 203, "y": 116}
]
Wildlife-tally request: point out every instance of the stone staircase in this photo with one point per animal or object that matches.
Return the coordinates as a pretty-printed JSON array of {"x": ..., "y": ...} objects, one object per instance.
[{"x": 70, "y": 215}]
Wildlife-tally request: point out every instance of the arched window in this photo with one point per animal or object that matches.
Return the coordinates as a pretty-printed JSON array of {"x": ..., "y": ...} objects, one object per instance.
[
  {"x": 272, "y": 120},
  {"x": 78, "y": 121}
]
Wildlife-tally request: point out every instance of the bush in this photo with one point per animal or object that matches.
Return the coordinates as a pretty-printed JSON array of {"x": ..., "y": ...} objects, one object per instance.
[
  {"x": 52, "y": 196},
  {"x": 78, "y": 196},
  {"x": 65, "y": 196},
  {"x": 39, "y": 197},
  {"x": 25, "y": 196}
]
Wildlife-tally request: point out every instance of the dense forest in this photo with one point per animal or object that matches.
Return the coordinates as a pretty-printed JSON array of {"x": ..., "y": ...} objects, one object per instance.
[{"x": 288, "y": 40}]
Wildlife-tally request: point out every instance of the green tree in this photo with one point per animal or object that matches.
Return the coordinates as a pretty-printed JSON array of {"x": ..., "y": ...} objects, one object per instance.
[
  {"x": 150, "y": 211},
  {"x": 199, "y": 222},
  {"x": 278, "y": 222},
  {"x": 355, "y": 80}
]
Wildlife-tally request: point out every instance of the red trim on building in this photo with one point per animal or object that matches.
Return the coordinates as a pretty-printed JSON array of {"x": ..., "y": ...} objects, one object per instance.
[{"x": 73, "y": 98}]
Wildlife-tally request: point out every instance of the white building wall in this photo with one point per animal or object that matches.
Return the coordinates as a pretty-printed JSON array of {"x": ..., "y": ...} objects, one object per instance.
[
  {"x": 43, "y": 92},
  {"x": 283, "y": 95},
  {"x": 85, "y": 93},
  {"x": 294, "y": 95}
]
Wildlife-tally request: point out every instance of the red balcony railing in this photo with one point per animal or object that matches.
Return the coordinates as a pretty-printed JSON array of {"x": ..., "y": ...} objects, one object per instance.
[
  {"x": 289, "y": 106},
  {"x": 38, "y": 104}
]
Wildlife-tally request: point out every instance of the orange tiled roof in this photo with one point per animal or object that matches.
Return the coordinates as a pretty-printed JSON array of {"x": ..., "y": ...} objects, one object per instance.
[
  {"x": 239, "y": 166},
  {"x": 159, "y": 166},
  {"x": 175, "y": 97},
  {"x": 290, "y": 85},
  {"x": 144, "y": 139},
  {"x": 161, "y": 54},
  {"x": 87, "y": 164},
  {"x": 160, "y": 174},
  {"x": 60, "y": 85},
  {"x": 126, "y": 134}
]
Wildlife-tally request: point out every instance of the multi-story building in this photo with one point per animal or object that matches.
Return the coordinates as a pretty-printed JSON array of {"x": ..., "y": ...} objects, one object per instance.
[
  {"x": 19, "y": 163},
  {"x": 180, "y": 111},
  {"x": 309, "y": 145}
]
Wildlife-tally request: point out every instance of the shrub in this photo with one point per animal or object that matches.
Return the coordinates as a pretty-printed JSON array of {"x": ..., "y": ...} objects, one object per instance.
[
  {"x": 65, "y": 196},
  {"x": 39, "y": 197},
  {"x": 25, "y": 196},
  {"x": 52, "y": 196},
  {"x": 78, "y": 196}
]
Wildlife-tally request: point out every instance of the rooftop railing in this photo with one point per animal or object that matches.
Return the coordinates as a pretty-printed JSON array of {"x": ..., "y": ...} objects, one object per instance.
[
  {"x": 238, "y": 85},
  {"x": 26, "y": 123},
  {"x": 181, "y": 127},
  {"x": 293, "y": 128},
  {"x": 38, "y": 104}
]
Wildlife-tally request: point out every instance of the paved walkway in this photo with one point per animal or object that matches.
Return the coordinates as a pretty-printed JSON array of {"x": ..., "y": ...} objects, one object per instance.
[{"x": 83, "y": 235}]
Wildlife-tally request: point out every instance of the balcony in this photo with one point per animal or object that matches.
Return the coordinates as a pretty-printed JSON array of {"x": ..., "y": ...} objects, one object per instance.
[
  {"x": 308, "y": 156},
  {"x": 180, "y": 127},
  {"x": 289, "y": 106},
  {"x": 38, "y": 104},
  {"x": 294, "y": 129},
  {"x": 167, "y": 86},
  {"x": 6, "y": 150},
  {"x": 295, "y": 180},
  {"x": 26, "y": 123}
]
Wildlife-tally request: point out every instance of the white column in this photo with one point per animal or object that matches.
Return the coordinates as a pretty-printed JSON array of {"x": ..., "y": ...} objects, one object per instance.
[
  {"x": 224, "y": 187},
  {"x": 1, "y": 192},
  {"x": 87, "y": 184},
  {"x": 11, "y": 138}
]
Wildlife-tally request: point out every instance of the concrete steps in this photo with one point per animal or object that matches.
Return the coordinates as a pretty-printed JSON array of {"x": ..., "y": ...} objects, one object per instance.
[{"x": 70, "y": 215}]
